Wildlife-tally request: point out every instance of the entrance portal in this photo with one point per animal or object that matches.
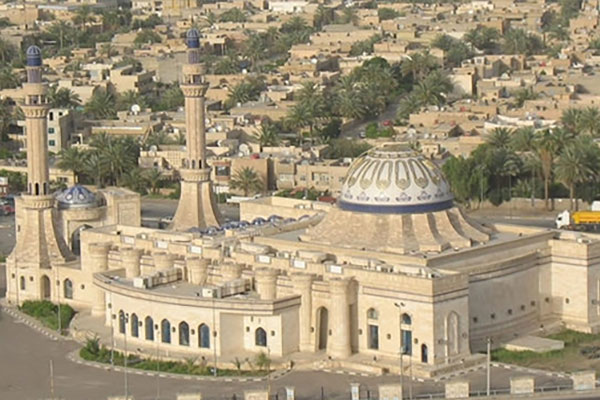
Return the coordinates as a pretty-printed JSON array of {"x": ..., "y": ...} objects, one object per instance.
[{"x": 323, "y": 328}]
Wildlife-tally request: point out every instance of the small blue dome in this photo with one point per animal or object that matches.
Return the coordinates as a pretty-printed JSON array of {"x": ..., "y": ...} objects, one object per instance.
[
  {"x": 34, "y": 56},
  {"x": 77, "y": 197},
  {"x": 193, "y": 39}
]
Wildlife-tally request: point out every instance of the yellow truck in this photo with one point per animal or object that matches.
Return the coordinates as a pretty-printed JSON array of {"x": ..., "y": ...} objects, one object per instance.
[{"x": 579, "y": 220}]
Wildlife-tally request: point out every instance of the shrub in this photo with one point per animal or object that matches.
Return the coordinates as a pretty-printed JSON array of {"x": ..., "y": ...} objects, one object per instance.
[{"x": 47, "y": 313}]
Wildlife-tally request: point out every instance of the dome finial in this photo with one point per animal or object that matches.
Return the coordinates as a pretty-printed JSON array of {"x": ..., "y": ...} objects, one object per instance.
[
  {"x": 193, "y": 39},
  {"x": 34, "y": 56}
]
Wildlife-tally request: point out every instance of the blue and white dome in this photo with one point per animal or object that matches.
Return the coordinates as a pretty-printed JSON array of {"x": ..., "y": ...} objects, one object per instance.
[
  {"x": 34, "y": 56},
  {"x": 77, "y": 197},
  {"x": 393, "y": 179}
]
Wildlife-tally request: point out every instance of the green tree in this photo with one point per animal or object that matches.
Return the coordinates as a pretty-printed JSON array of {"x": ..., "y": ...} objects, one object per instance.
[
  {"x": 147, "y": 36},
  {"x": 572, "y": 169},
  {"x": 483, "y": 38},
  {"x": 589, "y": 121},
  {"x": 101, "y": 105},
  {"x": 499, "y": 138},
  {"x": 517, "y": 41},
  {"x": 73, "y": 159},
  {"x": 8, "y": 78},
  {"x": 63, "y": 98},
  {"x": 8, "y": 52},
  {"x": 456, "y": 50},
  {"x": 247, "y": 180},
  {"x": 419, "y": 65},
  {"x": 522, "y": 95},
  {"x": 386, "y": 13},
  {"x": 83, "y": 16},
  {"x": 154, "y": 179},
  {"x": 267, "y": 135},
  {"x": 233, "y": 15}
]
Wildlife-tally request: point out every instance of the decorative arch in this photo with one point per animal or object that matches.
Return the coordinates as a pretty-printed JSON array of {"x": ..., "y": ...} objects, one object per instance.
[
  {"x": 149, "y": 328},
  {"x": 184, "y": 334},
  {"x": 121, "y": 321},
  {"x": 76, "y": 239},
  {"x": 68, "y": 289},
  {"x": 135, "y": 326},
  {"x": 45, "y": 287},
  {"x": 372, "y": 313},
  {"x": 204, "y": 336},
  {"x": 260, "y": 337},
  {"x": 406, "y": 319},
  {"x": 22, "y": 283},
  {"x": 165, "y": 331}
]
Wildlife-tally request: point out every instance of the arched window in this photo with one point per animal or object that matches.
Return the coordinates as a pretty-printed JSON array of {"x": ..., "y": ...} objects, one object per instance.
[
  {"x": 68, "y": 289},
  {"x": 165, "y": 331},
  {"x": 22, "y": 283},
  {"x": 372, "y": 313},
  {"x": 260, "y": 337},
  {"x": 121, "y": 322},
  {"x": 424, "y": 354},
  {"x": 76, "y": 239},
  {"x": 149, "y": 328},
  {"x": 184, "y": 334},
  {"x": 134, "y": 326},
  {"x": 406, "y": 319},
  {"x": 204, "y": 336}
]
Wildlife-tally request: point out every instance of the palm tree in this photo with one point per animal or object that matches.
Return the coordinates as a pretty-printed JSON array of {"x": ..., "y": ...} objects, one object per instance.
[
  {"x": 94, "y": 167},
  {"x": 589, "y": 121},
  {"x": 60, "y": 31},
  {"x": 8, "y": 78},
  {"x": 433, "y": 90},
  {"x": 547, "y": 146},
  {"x": 135, "y": 180},
  {"x": 523, "y": 139},
  {"x": 347, "y": 101},
  {"x": 6, "y": 118},
  {"x": 127, "y": 99},
  {"x": 7, "y": 51},
  {"x": 72, "y": 159},
  {"x": 267, "y": 136},
  {"x": 418, "y": 65},
  {"x": 294, "y": 24},
  {"x": 572, "y": 169},
  {"x": 63, "y": 98},
  {"x": 238, "y": 94},
  {"x": 521, "y": 96},
  {"x": 154, "y": 178},
  {"x": 102, "y": 104},
  {"x": 247, "y": 180},
  {"x": 83, "y": 16},
  {"x": 499, "y": 138},
  {"x": 571, "y": 119}
]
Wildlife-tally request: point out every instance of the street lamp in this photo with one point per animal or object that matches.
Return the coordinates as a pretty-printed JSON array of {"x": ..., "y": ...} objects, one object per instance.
[
  {"x": 125, "y": 321},
  {"x": 214, "y": 327},
  {"x": 157, "y": 362},
  {"x": 489, "y": 359},
  {"x": 400, "y": 304}
]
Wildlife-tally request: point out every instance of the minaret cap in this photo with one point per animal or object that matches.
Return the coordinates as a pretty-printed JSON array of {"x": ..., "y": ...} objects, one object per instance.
[
  {"x": 193, "y": 39},
  {"x": 34, "y": 56}
]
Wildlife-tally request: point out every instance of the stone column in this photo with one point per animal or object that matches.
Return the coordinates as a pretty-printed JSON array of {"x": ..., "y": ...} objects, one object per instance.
[
  {"x": 197, "y": 270},
  {"x": 265, "y": 282},
  {"x": 98, "y": 253},
  {"x": 163, "y": 261},
  {"x": 303, "y": 286},
  {"x": 230, "y": 272},
  {"x": 339, "y": 344},
  {"x": 130, "y": 260}
]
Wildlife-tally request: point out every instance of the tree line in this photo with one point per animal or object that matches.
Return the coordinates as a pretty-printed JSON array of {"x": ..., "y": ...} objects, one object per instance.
[{"x": 555, "y": 162}]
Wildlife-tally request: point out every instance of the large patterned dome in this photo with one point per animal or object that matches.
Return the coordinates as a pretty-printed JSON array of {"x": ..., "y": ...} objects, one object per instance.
[
  {"x": 77, "y": 197},
  {"x": 393, "y": 179}
]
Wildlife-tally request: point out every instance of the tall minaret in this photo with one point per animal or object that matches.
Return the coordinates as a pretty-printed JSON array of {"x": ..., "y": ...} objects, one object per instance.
[
  {"x": 197, "y": 206},
  {"x": 38, "y": 247}
]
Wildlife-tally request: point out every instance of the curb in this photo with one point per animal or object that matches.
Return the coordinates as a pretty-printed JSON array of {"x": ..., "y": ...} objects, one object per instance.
[
  {"x": 74, "y": 357},
  {"x": 34, "y": 324}
]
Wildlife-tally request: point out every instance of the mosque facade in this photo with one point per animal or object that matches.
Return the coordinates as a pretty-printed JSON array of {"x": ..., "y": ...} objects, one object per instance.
[{"x": 395, "y": 271}]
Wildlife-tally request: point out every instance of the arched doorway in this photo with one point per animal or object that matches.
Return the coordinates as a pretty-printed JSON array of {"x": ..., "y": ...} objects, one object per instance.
[
  {"x": 322, "y": 328},
  {"x": 45, "y": 287},
  {"x": 76, "y": 239},
  {"x": 424, "y": 354}
]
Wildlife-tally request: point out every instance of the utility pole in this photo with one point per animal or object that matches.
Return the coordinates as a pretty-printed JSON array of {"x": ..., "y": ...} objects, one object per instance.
[
  {"x": 126, "y": 320},
  {"x": 51, "y": 380},
  {"x": 214, "y": 337},
  {"x": 157, "y": 363},
  {"x": 58, "y": 301},
  {"x": 400, "y": 305},
  {"x": 410, "y": 382},
  {"x": 112, "y": 340},
  {"x": 489, "y": 359}
]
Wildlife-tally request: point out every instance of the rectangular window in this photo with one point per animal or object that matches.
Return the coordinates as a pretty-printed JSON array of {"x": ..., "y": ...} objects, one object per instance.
[
  {"x": 51, "y": 143},
  {"x": 406, "y": 342},
  {"x": 373, "y": 337},
  {"x": 50, "y": 131}
]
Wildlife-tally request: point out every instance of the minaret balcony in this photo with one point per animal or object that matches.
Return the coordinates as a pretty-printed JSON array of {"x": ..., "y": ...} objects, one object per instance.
[
  {"x": 35, "y": 111},
  {"x": 196, "y": 90}
]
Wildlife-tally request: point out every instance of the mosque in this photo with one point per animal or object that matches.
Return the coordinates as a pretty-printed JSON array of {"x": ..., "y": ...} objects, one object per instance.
[{"x": 395, "y": 271}]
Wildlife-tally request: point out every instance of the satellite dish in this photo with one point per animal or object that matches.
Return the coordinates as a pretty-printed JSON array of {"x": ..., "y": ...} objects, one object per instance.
[
  {"x": 153, "y": 148},
  {"x": 244, "y": 149},
  {"x": 135, "y": 109}
]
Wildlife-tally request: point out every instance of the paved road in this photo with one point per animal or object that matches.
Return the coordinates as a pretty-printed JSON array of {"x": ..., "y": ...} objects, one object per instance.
[
  {"x": 354, "y": 131},
  {"x": 7, "y": 234},
  {"x": 26, "y": 354}
]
